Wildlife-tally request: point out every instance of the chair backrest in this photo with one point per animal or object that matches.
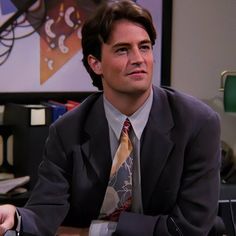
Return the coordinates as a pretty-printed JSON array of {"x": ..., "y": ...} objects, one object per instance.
[{"x": 228, "y": 86}]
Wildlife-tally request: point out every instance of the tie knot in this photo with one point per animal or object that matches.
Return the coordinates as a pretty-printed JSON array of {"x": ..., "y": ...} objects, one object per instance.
[{"x": 126, "y": 126}]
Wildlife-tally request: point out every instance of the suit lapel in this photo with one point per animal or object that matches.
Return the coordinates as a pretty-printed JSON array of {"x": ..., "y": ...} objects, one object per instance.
[
  {"x": 97, "y": 147},
  {"x": 155, "y": 144},
  {"x": 97, "y": 155}
]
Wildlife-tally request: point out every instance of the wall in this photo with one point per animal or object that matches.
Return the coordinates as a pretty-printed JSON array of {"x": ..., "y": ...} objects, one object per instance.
[{"x": 204, "y": 45}]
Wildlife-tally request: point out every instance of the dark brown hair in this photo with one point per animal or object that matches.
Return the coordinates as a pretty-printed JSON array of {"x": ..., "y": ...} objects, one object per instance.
[{"x": 97, "y": 29}]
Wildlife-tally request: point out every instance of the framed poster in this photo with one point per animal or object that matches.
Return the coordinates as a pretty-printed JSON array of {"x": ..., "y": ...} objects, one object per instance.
[{"x": 41, "y": 52}]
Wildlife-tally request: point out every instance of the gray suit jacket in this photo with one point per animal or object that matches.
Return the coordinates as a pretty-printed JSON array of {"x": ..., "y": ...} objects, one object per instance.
[{"x": 180, "y": 160}]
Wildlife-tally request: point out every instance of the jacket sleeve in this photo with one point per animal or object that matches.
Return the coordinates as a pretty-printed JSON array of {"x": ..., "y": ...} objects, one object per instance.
[
  {"x": 197, "y": 202},
  {"x": 48, "y": 203}
]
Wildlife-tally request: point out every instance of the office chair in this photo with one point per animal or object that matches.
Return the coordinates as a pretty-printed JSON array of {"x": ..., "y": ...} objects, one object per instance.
[
  {"x": 227, "y": 202},
  {"x": 228, "y": 87}
]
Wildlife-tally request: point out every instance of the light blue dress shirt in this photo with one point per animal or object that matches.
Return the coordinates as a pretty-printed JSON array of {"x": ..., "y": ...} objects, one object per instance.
[{"x": 116, "y": 120}]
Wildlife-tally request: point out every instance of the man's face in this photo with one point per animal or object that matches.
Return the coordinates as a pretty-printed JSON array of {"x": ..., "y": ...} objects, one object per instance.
[{"x": 127, "y": 60}]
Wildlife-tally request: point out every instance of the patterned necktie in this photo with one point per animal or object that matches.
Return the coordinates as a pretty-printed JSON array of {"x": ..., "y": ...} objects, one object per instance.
[{"x": 118, "y": 194}]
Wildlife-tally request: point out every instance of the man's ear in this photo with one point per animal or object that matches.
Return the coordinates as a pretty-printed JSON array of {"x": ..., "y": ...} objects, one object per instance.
[{"x": 95, "y": 64}]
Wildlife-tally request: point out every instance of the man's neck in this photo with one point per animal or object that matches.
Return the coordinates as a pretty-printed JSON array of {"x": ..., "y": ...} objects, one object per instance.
[{"x": 128, "y": 104}]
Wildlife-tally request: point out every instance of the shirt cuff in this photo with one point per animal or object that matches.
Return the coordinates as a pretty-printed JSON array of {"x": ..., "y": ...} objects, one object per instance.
[
  {"x": 102, "y": 228},
  {"x": 18, "y": 223}
]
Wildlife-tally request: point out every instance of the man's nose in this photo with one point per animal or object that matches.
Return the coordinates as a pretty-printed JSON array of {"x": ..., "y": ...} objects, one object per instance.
[{"x": 136, "y": 56}]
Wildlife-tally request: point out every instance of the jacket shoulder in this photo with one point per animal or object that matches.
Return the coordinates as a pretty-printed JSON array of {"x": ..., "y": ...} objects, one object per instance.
[
  {"x": 182, "y": 102},
  {"x": 79, "y": 114}
]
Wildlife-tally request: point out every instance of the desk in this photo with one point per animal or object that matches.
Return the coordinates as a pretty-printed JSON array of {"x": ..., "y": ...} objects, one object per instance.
[{"x": 70, "y": 231}]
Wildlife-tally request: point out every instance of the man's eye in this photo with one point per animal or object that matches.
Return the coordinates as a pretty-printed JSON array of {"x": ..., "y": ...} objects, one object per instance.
[
  {"x": 121, "y": 50},
  {"x": 145, "y": 47}
]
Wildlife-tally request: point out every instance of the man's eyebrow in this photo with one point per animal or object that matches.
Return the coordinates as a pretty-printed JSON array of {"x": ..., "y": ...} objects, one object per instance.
[
  {"x": 122, "y": 44},
  {"x": 146, "y": 41}
]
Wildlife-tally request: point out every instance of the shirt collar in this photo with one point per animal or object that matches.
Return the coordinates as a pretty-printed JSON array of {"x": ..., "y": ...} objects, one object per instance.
[{"x": 138, "y": 120}]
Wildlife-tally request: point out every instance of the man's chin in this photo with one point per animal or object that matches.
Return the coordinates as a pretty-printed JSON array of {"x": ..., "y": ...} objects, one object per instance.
[{"x": 138, "y": 90}]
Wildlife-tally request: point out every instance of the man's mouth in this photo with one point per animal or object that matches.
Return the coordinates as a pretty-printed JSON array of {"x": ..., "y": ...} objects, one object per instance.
[{"x": 137, "y": 72}]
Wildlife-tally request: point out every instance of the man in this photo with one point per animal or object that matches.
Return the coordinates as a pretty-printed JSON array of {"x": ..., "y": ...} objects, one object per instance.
[{"x": 175, "y": 144}]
